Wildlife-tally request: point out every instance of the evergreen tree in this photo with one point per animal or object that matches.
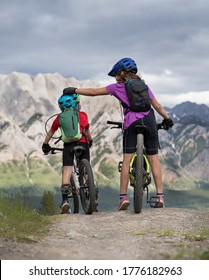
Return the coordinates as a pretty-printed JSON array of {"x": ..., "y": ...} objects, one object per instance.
[{"x": 48, "y": 206}]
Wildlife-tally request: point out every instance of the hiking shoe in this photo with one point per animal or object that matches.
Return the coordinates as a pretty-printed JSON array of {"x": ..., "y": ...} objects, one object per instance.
[
  {"x": 65, "y": 208},
  {"x": 124, "y": 203},
  {"x": 160, "y": 203}
]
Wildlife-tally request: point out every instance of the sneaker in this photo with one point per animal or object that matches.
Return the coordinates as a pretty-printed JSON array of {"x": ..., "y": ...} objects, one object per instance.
[
  {"x": 65, "y": 207},
  {"x": 160, "y": 203},
  {"x": 124, "y": 203}
]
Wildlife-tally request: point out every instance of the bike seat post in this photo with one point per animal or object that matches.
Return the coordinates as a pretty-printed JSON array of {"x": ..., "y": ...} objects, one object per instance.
[
  {"x": 77, "y": 151},
  {"x": 140, "y": 129}
]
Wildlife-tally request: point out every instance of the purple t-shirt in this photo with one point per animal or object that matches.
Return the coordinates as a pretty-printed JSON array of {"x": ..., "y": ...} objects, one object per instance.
[{"x": 119, "y": 91}]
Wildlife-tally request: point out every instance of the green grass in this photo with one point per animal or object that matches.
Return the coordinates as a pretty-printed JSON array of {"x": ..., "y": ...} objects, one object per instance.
[
  {"x": 197, "y": 235},
  {"x": 137, "y": 232},
  {"x": 16, "y": 173},
  {"x": 187, "y": 253},
  {"x": 194, "y": 199},
  {"x": 166, "y": 232},
  {"x": 42, "y": 174},
  {"x": 108, "y": 168},
  {"x": 19, "y": 222}
]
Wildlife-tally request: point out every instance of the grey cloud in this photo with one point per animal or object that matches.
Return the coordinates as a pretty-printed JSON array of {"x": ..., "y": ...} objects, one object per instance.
[{"x": 83, "y": 38}]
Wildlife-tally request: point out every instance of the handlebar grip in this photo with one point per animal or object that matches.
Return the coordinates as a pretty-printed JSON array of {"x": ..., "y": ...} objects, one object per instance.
[
  {"x": 162, "y": 126},
  {"x": 159, "y": 126},
  {"x": 111, "y": 122}
]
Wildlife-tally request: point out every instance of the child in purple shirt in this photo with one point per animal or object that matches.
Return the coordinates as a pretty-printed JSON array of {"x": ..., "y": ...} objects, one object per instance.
[
  {"x": 124, "y": 70},
  {"x": 118, "y": 90}
]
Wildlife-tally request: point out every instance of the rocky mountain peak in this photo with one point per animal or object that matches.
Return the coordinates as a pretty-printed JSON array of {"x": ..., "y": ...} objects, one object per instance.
[{"x": 28, "y": 101}]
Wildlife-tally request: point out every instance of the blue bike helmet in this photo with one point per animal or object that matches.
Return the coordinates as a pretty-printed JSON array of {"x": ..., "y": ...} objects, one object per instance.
[
  {"x": 68, "y": 101},
  {"x": 126, "y": 64}
]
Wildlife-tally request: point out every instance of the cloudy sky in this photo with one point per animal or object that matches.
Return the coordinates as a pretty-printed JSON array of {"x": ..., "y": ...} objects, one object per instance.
[{"x": 168, "y": 39}]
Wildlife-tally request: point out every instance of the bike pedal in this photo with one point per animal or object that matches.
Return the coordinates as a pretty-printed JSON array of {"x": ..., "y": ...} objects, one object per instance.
[
  {"x": 120, "y": 166},
  {"x": 154, "y": 202}
]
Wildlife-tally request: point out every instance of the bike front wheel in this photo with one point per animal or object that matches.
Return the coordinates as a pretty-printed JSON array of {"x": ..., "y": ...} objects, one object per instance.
[
  {"x": 138, "y": 189},
  {"x": 87, "y": 188}
]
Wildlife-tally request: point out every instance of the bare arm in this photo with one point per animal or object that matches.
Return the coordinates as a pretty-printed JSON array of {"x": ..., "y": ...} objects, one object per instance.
[
  {"x": 92, "y": 91},
  {"x": 88, "y": 134},
  {"x": 49, "y": 136},
  {"x": 157, "y": 106}
]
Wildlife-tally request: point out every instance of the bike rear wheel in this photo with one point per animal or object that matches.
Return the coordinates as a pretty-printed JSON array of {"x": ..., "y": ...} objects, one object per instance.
[
  {"x": 87, "y": 187},
  {"x": 73, "y": 197},
  {"x": 138, "y": 189}
]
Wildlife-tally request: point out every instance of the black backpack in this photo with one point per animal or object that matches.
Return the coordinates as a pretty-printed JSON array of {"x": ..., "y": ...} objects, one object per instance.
[{"x": 138, "y": 96}]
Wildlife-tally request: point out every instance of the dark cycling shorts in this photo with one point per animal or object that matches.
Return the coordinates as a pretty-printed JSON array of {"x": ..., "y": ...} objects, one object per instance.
[
  {"x": 151, "y": 143},
  {"x": 68, "y": 156}
]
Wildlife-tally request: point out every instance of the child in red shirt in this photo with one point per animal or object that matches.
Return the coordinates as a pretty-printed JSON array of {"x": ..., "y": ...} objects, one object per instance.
[{"x": 86, "y": 141}]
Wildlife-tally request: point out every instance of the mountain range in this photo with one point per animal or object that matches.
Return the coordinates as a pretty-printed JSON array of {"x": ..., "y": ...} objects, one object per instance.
[{"x": 27, "y": 102}]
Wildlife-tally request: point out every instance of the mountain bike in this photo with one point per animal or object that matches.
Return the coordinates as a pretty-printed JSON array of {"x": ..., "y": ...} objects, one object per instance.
[
  {"x": 139, "y": 169},
  {"x": 82, "y": 183}
]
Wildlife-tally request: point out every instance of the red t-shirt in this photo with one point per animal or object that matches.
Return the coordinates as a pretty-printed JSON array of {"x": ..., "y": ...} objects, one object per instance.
[{"x": 84, "y": 124}]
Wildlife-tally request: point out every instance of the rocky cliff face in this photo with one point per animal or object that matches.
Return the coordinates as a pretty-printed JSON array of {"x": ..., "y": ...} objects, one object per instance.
[{"x": 27, "y": 102}]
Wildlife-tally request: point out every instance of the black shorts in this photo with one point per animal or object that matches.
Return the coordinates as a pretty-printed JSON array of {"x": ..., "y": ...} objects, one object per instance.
[
  {"x": 151, "y": 142},
  {"x": 68, "y": 156}
]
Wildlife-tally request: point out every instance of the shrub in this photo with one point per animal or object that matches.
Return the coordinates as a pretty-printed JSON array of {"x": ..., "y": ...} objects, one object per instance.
[{"x": 48, "y": 206}]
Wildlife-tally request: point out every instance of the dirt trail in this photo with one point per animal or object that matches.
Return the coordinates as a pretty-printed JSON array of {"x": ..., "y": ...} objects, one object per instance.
[{"x": 154, "y": 234}]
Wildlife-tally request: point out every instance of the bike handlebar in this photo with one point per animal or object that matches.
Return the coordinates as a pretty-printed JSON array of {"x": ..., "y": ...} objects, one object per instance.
[
  {"x": 161, "y": 126},
  {"x": 120, "y": 125},
  {"x": 53, "y": 149},
  {"x": 76, "y": 150}
]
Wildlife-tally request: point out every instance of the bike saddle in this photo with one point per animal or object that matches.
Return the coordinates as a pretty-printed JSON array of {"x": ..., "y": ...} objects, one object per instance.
[
  {"x": 140, "y": 128},
  {"x": 78, "y": 150}
]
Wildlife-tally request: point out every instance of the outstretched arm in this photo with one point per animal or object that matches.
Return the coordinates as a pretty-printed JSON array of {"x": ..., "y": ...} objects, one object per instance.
[
  {"x": 86, "y": 91},
  {"x": 92, "y": 91}
]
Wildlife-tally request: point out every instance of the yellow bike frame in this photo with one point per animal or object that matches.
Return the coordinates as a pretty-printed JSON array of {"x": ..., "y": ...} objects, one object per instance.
[{"x": 132, "y": 170}]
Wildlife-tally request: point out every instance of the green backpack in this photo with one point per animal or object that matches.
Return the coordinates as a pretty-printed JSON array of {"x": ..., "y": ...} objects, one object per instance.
[{"x": 70, "y": 126}]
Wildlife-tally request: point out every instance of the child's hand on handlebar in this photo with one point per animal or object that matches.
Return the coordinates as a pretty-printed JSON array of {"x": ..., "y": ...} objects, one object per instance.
[
  {"x": 46, "y": 148},
  {"x": 90, "y": 143},
  {"x": 167, "y": 123}
]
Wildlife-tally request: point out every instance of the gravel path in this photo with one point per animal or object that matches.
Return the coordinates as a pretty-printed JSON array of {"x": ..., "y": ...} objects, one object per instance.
[{"x": 168, "y": 233}]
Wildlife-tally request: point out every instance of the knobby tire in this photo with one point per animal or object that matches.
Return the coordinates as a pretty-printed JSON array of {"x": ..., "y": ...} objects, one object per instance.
[
  {"x": 138, "y": 189},
  {"x": 73, "y": 197},
  {"x": 87, "y": 188}
]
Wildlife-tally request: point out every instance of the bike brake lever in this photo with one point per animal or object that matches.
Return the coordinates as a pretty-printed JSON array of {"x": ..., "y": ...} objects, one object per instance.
[
  {"x": 162, "y": 126},
  {"x": 118, "y": 126},
  {"x": 57, "y": 140}
]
